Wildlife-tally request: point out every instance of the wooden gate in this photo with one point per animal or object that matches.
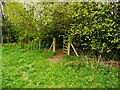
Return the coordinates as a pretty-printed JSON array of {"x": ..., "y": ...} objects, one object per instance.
[{"x": 67, "y": 42}]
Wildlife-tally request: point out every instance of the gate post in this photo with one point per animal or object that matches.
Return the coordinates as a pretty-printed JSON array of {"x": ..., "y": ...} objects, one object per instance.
[
  {"x": 69, "y": 42},
  {"x": 54, "y": 44}
]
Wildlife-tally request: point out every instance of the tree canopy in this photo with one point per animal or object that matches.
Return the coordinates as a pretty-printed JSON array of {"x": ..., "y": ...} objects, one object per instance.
[{"x": 94, "y": 27}]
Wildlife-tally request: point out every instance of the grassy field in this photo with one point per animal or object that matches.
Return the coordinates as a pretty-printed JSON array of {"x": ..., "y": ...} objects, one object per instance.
[{"x": 22, "y": 68}]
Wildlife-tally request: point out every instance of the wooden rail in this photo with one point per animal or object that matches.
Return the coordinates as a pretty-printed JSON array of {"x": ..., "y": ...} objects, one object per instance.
[{"x": 66, "y": 46}]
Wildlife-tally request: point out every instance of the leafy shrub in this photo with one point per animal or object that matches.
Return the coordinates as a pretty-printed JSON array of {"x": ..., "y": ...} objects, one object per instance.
[{"x": 93, "y": 27}]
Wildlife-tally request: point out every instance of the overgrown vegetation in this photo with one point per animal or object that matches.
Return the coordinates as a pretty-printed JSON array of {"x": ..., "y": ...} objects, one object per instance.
[
  {"x": 24, "y": 68},
  {"x": 94, "y": 27}
]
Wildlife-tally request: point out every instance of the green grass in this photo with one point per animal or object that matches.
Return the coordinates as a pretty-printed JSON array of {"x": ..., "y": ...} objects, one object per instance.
[{"x": 23, "y": 68}]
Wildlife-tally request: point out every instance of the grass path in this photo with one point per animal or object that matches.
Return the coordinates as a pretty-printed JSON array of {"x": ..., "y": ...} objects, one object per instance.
[{"x": 22, "y": 68}]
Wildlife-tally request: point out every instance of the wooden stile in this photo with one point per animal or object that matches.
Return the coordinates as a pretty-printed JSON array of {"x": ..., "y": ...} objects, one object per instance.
[{"x": 66, "y": 46}]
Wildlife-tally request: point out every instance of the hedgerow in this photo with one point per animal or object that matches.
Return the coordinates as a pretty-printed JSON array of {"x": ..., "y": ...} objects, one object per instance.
[{"x": 93, "y": 27}]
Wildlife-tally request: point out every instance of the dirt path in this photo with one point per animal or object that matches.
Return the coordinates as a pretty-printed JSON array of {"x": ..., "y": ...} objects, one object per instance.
[{"x": 58, "y": 57}]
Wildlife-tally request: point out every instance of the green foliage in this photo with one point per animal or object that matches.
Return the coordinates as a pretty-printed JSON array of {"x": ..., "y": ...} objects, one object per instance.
[
  {"x": 23, "y": 21},
  {"x": 23, "y": 68},
  {"x": 93, "y": 27}
]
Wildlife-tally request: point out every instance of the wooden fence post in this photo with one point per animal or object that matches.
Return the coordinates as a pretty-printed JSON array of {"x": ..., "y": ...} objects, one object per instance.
[
  {"x": 68, "y": 53},
  {"x": 54, "y": 44},
  {"x": 69, "y": 42},
  {"x": 39, "y": 44}
]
